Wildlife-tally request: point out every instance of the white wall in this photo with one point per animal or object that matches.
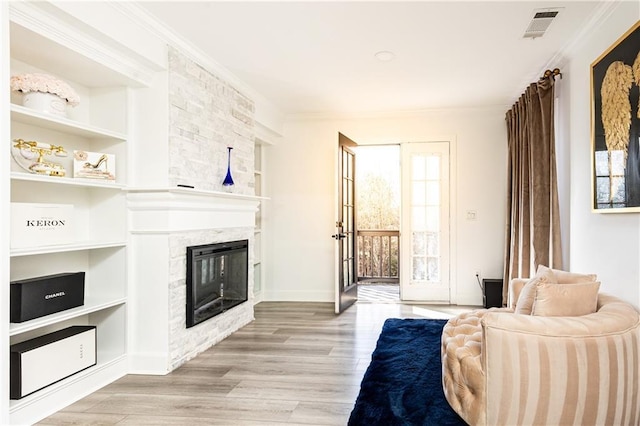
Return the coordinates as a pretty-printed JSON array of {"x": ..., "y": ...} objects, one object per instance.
[
  {"x": 302, "y": 190},
  {"x": 606, "y": 244}
]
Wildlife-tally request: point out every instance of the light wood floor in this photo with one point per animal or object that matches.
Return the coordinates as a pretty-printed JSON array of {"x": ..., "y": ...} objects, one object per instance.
[{"x": 297, "y": 363}]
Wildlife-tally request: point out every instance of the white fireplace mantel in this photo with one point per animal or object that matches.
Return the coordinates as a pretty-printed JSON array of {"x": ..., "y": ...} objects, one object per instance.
[{"x": 166, "y": 210}]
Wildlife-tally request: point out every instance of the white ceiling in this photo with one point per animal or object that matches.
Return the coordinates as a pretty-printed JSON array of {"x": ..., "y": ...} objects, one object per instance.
[{"x": 318, "y": 57}]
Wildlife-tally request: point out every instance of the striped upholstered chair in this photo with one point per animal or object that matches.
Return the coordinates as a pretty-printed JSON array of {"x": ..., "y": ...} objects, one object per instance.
[{"x": 504, "y": 368}]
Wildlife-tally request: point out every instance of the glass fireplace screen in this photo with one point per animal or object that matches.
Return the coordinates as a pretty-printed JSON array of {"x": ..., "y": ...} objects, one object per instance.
[{"x": 217, "y": 279}]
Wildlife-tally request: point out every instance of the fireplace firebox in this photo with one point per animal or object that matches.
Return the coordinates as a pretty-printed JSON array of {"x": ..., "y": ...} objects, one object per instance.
[{"x": 217, "y": 279}]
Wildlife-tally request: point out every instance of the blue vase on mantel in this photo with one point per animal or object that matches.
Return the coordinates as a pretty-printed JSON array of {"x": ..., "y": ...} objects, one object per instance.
[{"x": 228, "y": 180}]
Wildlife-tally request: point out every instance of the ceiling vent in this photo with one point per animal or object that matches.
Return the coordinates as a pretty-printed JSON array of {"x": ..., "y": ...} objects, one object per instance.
[{"x": 542, "y": 18}]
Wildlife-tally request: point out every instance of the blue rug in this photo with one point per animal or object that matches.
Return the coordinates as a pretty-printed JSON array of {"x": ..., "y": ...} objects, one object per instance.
[{"x": 403, "y": 383}]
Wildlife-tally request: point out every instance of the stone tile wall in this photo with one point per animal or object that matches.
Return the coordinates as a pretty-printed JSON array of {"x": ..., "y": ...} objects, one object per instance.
[{"x": 207, "y": 115}]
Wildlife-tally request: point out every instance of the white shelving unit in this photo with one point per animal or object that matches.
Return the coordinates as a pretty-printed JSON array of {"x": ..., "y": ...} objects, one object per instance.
[
  {"x": 93, "y": 67},
  {"x": 263, "y": 140},
  {"x": 257, "y": 236}
]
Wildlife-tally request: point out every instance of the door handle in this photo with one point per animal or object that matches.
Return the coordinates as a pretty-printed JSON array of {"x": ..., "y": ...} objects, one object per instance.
[{"x": 339, "y": 236}]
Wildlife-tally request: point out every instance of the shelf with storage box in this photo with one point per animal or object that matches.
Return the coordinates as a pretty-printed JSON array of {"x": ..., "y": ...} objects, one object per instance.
[
  {"x": 87, "y": 186},
  {"x": 110, "y": 355}
]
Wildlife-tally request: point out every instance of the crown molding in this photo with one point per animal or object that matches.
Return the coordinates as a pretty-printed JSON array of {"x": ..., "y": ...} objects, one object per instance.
[{"x": 390, "y": 114}]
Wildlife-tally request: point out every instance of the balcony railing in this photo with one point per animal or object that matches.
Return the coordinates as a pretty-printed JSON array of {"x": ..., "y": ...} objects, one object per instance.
[{"x": 378, "y": 256}]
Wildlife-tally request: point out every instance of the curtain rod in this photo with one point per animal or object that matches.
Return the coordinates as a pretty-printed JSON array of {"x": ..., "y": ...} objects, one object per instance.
[{"x": 551, "y": 74}]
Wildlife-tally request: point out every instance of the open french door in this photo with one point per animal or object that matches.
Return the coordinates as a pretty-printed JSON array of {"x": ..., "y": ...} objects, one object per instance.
[
  {"x": 424, "y": 273},
  {"x": 346, "y": 286}
]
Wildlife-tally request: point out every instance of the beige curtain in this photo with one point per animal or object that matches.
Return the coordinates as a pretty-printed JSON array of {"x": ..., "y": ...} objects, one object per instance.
[{"x": 533, "y": 219}]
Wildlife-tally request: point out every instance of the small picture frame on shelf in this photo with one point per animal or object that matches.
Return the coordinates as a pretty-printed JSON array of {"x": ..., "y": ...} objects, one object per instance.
[{"x": 94, "y": 165}]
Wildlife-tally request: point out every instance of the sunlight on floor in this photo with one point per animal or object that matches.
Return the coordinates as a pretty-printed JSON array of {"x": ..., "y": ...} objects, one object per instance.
[{"x": 429, "y": 313}]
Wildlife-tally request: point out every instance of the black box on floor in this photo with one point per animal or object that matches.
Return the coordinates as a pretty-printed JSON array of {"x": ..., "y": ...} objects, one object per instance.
[
  {"x": 44, "y": 360},
  {"x": 36, "y": 297},
  {"x": 492, "y": 292}
]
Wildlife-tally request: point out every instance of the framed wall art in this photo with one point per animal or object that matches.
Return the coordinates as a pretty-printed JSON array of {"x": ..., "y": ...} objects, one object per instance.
[{"x": 615, "y": 126}]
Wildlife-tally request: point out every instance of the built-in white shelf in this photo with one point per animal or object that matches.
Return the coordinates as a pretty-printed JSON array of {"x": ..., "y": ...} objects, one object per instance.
[
  {"x": 106, "y": 73},
  {"x": 56, "y": 180},
  {"x": 86, "y": 245},
  {"x": 31, "y": 117},
  {"x": 90, "y": 306},
  {"x": 77, "y": 378}
]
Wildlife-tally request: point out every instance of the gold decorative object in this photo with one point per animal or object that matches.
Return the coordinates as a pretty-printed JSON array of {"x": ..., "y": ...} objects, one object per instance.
[
  {"x": 27, "y": 149},
  {"x": 636, "y": 74},
  {"x": 616, "y": 107}
]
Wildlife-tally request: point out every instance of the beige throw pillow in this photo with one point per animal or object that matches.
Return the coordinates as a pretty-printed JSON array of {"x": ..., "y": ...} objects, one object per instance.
[
  {"x": 565, "y": 277},
  {"x": 558, "y": 300},
  {"x": 524, "y": 305}
]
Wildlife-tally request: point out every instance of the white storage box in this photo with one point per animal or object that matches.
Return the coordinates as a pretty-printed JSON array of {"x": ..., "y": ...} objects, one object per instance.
[
  {"x": 40, "y": 362},
  {"x": 35, "y": 225}
]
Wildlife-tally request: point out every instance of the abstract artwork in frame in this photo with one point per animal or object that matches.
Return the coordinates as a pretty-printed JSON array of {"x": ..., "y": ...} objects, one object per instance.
[{"x": 615, "y": 126}]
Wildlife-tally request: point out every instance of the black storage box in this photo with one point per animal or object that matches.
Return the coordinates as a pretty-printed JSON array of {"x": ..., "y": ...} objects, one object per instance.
[
  {"x": 36, "y": 297},
  {"x": 492, "y": 293},
  {"x": 44, "y": 360}
]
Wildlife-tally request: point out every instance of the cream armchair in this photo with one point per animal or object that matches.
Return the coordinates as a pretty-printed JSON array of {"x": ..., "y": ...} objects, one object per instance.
[{"x": 503, "y": 368}]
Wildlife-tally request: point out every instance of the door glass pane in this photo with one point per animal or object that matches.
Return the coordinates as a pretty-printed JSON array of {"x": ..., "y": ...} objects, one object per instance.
[
  {"x": 419, "y": 219},
  {"x": 433, "y": 269},
  {"x": 433, "y": 167},
  {"x": 345, "y": 191},
  {"x": 418, "y": 168},
  {"x": 345, "y": 167},
  {"x": 433, "y": 193},
  {"x": 419, "y": 192},
  {"x": 419, "y": 243},
  {"x": 419, "y": 269},
  {"x": 345, "y": 274},
  {"x": 345, "y": 249},
  {"x": 432, "y": 218},
  {"x": 345, "y": 215},
  {"x": 433, "y": 244}
]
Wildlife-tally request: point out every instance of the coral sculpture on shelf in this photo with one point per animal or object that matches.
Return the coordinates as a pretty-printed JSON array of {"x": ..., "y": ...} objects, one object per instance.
[{"x": 44, "y": 83}]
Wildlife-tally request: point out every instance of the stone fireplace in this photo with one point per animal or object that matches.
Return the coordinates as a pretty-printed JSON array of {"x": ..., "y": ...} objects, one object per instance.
[{"x": 164, "y": 223}]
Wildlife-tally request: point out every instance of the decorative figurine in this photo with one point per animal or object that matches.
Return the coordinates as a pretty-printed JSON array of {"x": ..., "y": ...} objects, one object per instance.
[
  {"x": 93, "y": 165},
  {"x": 25, "y": 151},
  {"x": 228, "y": 180}
]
